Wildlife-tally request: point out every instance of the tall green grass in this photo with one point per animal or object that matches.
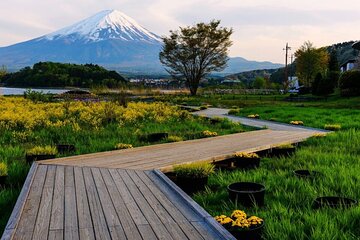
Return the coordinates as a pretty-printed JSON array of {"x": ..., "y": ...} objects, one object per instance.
[{"x": 288, "y": 211}]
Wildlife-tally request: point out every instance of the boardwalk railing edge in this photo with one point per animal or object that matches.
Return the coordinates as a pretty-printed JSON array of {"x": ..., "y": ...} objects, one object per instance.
[
  {"x": 18, "y": 208},
  {"x": 194, "y": 206}
]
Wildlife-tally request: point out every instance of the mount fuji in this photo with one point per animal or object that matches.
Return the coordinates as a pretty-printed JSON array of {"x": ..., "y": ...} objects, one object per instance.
[{"x": 109, "y": 38}]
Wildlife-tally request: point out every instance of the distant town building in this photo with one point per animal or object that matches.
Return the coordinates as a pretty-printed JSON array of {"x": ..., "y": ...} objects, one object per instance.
[{"x": 348, "y": 65}]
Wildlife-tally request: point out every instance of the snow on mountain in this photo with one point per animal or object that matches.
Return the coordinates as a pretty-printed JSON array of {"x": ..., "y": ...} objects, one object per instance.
[{"x": 109, "y": 24}]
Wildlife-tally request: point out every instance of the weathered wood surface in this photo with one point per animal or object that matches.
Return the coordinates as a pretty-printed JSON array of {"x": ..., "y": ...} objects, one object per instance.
[
  {"x": 164, "y": 156},
  {"x": 99, "y": 203}
]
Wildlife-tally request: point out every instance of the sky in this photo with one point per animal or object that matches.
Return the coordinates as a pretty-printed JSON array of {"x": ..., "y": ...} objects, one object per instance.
[{"x": 261, "y": 27}]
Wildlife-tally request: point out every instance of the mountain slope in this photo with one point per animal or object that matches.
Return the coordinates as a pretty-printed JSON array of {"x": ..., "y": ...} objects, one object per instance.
[{"x": 108, "y": 38}]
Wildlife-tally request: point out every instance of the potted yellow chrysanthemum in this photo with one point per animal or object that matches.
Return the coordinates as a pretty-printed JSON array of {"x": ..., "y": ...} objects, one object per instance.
[
  {"x": 246, "y": 160},
  {"x": 241, "y": 226},
  {"x": 40, "y": 153},
  {"x": 3, "y": 173}
]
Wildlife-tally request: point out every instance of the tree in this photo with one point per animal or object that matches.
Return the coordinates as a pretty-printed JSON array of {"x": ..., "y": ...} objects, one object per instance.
[
  {"x": 194, "y": 51},
  {"x": 259, "y": 83},
  {"x": 309, "y": 62}
]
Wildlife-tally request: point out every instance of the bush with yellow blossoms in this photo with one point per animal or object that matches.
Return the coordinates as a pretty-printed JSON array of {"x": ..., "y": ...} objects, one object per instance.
[
  {"x": 239, "y": 221},
  {"x": 245, "y": 155}
]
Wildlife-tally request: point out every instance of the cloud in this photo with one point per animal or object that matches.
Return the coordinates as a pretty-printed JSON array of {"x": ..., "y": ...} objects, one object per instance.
[{"x": 261, "y": 27}]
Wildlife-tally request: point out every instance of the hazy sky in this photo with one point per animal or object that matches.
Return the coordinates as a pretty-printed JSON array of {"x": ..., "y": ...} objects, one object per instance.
[{"x": 261, "y": 27}]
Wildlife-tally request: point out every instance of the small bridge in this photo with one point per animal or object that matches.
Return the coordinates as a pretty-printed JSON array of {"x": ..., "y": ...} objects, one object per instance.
[{"x": 125, "y": 195}]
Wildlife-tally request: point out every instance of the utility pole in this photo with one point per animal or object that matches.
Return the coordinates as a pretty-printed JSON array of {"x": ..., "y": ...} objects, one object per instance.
[{"x": 286, "y": 82}]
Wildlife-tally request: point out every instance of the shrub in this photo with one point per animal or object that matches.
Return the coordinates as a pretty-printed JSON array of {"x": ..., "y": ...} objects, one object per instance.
[
  {"x": 245, "y": 155},
  {"x": 36, "y": 96},
  {"x": 297, "y": 122},
  {"x": 46, "y": 150},
  {"x": 194, "y": 170},
  {"x": 3, "y": 169},
  {"x": 173, "y": 138},
  {"x": 332, "y": 127},
  {"x": 253, "y": 116},
  {"x": 203, "y": 107},
  {"x": 120, "y": 146},
  {"x": 350, "y": 83},
  {"x": 285, "y": 146},
  {"x": 208, "y": 133},
  {"x": 234, "y": 111}
]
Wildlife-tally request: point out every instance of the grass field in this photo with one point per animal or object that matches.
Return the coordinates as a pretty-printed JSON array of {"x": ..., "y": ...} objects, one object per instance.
[
  {"x": 288, "y": 211},
  {"x": 91, "y": 127}
]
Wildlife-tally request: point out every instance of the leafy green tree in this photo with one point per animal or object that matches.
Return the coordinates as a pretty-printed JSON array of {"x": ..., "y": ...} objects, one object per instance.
[
  {"x": 259, "y": 83},
  {"x": 195, "y": 51},
  {"x": 309, "y": 62}
]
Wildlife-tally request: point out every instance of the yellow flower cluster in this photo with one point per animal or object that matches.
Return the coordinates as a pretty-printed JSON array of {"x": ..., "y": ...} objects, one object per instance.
[
  {"x": 319, "y": 135},
  {"x": 246, "y": 155},
  {"x": 253, "y": 116},
  {"x": 22, "y": 114},
  {"x": 238, "y": 219},
  {"x": 332, "y": 127},
  {"x": 208, "y": 133},
  {"x": 38, "y": 150},
  {"x": 120, "y": 146},
  {"x": 297, "y": 122},
  {"x": 223, "y": 219},
  {"x": 3, "y": 169}
]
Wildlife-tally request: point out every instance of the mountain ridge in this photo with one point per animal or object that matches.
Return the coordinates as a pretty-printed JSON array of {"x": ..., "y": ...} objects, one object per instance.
[{"x": 109, "y": 38}]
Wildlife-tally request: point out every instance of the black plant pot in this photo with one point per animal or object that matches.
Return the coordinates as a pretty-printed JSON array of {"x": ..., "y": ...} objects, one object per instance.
[
  {"x": 249, "y": 234},
  {"x": 215, "y": 120},
  {"x": 191, "y": 185},
  {"x": 334, "y": 202},
  {"x": 3, "y": 180},
  {"x": 307, "y": 174},
  {"x": 282, "y": 152},
  {"x": 31, "y": 158},
  {"x": 248, "y": 194},
  {"x": 227, "y": 165},
  {"x": 65, "y": 148},
  {"x": 247, "y": 163},
  {"x": 155, "y": 137}
]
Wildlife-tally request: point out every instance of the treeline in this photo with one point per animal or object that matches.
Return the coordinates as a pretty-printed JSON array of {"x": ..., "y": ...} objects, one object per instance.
[{"x": 50, "y": 74}]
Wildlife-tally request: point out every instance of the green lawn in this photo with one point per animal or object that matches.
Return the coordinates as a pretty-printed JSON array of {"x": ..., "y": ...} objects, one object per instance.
[{"x": 288, "y": 212}]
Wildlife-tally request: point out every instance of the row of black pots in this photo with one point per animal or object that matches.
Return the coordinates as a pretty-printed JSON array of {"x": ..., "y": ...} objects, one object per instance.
[
  {"x": 251, "y": 194},
  {"x": 154, "y": 137},
  {"x": 61, "y": 148}
]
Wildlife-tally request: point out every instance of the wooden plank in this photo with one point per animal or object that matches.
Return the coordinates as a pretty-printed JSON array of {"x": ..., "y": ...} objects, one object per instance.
[
  {"x": 97, "y": 215},
  {"x": 164, "y": 216},
  {"x": 86, "y": 229},
  {"x": 137, "y": 215},
  {"x": 207, "y": 218},
  {"x": 41, "y": 230},
  {"x": 71, "y": 230},
  {"x": 112, "y": 219},
  {"x": 171, "y": 207},
  {"x": 56, "y": 235},
  {"x": 57, "y": 212},
  {"x": 127, "y": 223},
  {"x": 15, "y": 215},
  {"x": 27, "y": 220},
  {"x": 158, "y": 227}
]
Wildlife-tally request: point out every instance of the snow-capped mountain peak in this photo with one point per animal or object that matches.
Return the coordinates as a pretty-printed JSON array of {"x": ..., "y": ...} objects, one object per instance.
[{"x": 109, "y": 24}]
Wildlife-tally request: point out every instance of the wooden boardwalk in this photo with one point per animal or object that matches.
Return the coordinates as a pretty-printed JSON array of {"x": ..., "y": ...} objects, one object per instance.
[
  {"x": 165, "y": 156},
  {"x": 65, "y": 202},
  {"x": 124, "y": 195}
]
